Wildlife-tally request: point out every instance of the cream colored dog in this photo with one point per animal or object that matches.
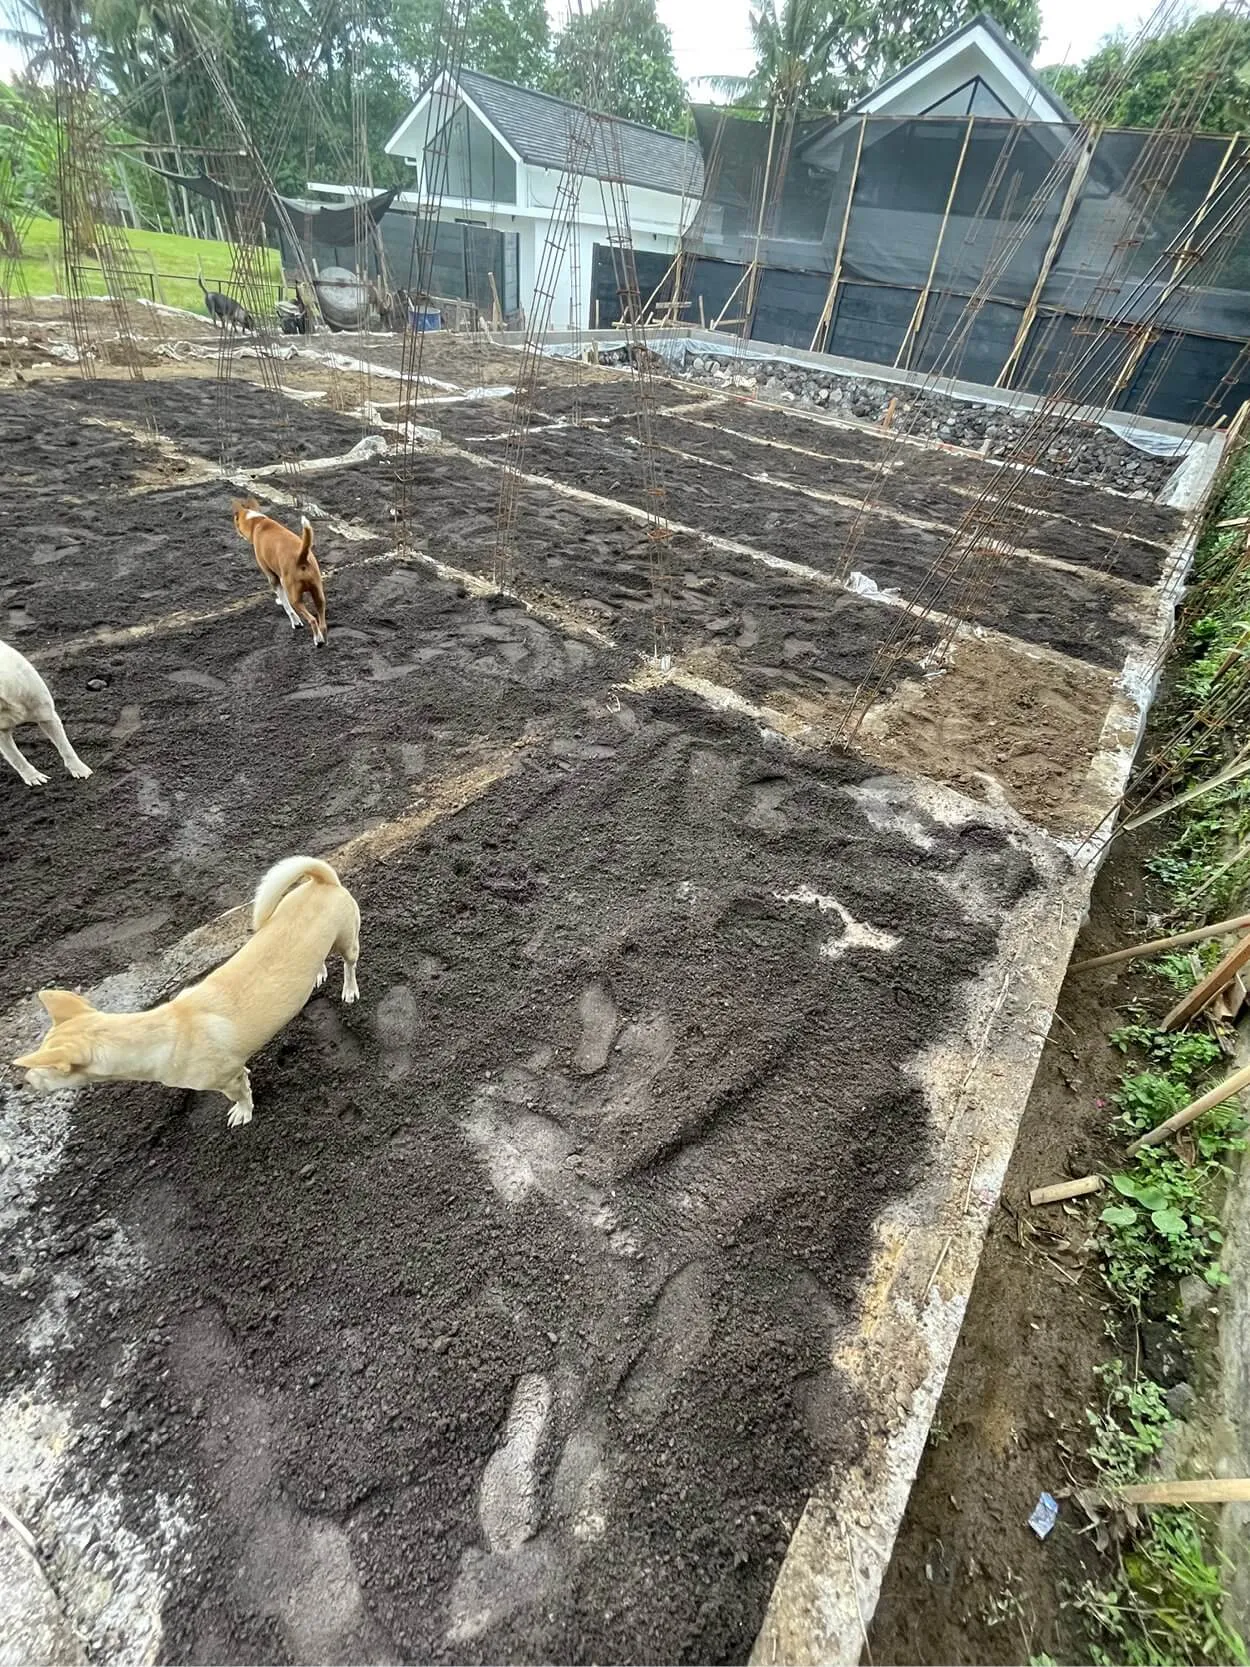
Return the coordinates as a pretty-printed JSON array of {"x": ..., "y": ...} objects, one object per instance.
[
  {"x": 205, "y": 1036},
  {"x": 26, "y": 699}
]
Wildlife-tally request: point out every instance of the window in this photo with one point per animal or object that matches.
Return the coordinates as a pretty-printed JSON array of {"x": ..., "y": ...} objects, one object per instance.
[{"x": 465, "y": 160}]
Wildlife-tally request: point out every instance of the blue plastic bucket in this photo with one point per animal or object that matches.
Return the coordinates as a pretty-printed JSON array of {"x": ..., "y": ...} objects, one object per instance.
[{"x": 425, "y": 318}]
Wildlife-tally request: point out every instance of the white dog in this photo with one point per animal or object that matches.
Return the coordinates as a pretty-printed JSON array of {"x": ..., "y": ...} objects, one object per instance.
[{"x": 26, "y": 699}]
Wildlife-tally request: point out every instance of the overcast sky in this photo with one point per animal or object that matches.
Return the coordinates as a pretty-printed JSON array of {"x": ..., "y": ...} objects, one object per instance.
[{"x": 712, "y": 37}]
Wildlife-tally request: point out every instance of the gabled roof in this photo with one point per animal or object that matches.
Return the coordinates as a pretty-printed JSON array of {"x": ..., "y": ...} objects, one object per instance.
[
  {"x": 537, "y": 127},
  {"x": 986, "y": 33}
]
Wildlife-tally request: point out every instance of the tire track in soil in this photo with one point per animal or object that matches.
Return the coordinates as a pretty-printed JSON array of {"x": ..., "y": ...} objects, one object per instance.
[{"x": 506, "y": 1333}]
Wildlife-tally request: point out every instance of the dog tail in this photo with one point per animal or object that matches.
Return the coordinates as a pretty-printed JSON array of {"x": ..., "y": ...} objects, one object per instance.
[
  {"x": 199, "y": 278},
  {"x": 279, "y": 880},
  {"x": 306, "y": 538}
]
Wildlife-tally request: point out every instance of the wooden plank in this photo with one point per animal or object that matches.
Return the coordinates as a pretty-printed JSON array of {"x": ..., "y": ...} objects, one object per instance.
[
  {"x": 821, "y": 332},
  {"x": 1216, "y": 1490},
  {"x": 1188, "y": 1007},
  {"x": 1066, "y": 210},
  {"x": 1226, "y": 1090},
  {"x": 1156, "y": 946},
  {"x": 907, "y": 346}
]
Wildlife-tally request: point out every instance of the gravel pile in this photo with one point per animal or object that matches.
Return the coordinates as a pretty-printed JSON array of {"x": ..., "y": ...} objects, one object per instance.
[{"x": 1084, "y": 453}]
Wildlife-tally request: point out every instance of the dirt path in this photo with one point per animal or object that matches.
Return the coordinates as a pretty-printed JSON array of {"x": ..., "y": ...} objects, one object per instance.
[{"x": 969, "y": 1580}]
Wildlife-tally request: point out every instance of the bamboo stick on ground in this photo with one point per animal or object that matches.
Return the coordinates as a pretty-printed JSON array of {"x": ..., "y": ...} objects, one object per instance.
[
  {"x": 1216, "y": 1096},
  {"x": 1063, "y": 1190},
  {"x": 1156, "y": 946}
]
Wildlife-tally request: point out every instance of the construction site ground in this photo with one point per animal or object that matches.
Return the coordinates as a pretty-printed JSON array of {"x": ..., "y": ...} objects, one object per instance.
[{"x": 583, "y": 1293}]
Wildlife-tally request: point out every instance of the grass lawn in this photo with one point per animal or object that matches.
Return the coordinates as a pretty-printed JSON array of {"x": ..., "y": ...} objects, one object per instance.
[{"x": 171, "y": 262}]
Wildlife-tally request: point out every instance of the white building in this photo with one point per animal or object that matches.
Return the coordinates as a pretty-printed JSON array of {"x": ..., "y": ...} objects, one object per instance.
[{"x": 503, "y": 151}]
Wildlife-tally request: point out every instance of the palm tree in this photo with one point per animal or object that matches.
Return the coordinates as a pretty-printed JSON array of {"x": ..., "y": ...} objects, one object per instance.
[{"x": 795, "y": 56}]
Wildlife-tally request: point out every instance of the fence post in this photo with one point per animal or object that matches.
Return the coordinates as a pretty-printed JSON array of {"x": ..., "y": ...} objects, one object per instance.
[
  {"x": 912, "y": 334},
  {"x": 821, "y": 332},
  {"x": 1182, "y": 263},
  {"x": 1066, "y": 209}
]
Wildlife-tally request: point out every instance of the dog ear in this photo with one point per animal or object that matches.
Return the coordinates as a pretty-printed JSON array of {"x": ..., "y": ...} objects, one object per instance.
[
  {"x": 64, "y": 1004},
  {"x": 55, "y": 1056}
]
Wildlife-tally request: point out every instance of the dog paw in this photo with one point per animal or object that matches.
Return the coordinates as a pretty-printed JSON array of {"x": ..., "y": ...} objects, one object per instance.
[
  {"x": 34, "y": 778},
  {"x": 237, "y": 1116},
  {"x": 79, "y": 771},
  {"x": 322, "y": 976}
]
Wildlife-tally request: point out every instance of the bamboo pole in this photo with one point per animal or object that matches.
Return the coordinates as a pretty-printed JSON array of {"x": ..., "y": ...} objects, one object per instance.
[
  {"x": 1222, "y": 780},
  {"x": 835, "y": 277},
  {"x": 733, "y": 294},
  {"x": 1182, "y": 264},
  {"x": 1066, "y": 210},
  {"x": 1188, "y": 1007},
  {"x": 1063, "y": 1190},
  {"x": 1226, "y": 1090},
  {"x": 1156, "y": 946},
  {"x": 753, "y": 270},
  {"x": 906, "y": 347}
]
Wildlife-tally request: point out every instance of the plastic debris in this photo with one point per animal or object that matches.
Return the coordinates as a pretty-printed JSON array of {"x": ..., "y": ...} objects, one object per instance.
[{"x": 1045, "y": 1515}]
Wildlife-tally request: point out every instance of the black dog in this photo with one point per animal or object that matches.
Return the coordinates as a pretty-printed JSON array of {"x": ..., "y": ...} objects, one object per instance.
[{"x": 224, "y": 309}]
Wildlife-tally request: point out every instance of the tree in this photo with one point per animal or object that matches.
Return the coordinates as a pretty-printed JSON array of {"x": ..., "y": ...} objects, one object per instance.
[
  {"x": 28, "y": 162},
  {"x": 619, "y": 59},
  {"x": 510, "y": 39},
  {"x": 1194, "y": 75},
  {"x": 818, "y": 56}
]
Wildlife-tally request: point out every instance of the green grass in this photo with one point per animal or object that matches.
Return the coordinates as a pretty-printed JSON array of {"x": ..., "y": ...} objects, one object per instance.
[
  {"x": 1161, "y": 1604},
  {"x": 172, "y": 262}
]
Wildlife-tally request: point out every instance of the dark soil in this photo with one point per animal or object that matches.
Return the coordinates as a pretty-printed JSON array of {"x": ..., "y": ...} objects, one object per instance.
[
  {"x": 928, "y": 499},
  {"x": 1067, "y": 611},
  {"x": 231, "y": 422},
  {"x": 115, "y": 560},
  {"x": 553, "y": 1158},
  {"x": 211, "y": 745},
  {"x": 1139, "y": 516},
  {"x": 559, "y": 396},
  {"x": 50, "y": 451},
  {"x": 769, "y": 631},
  {"x": 969, "y": 1580}
]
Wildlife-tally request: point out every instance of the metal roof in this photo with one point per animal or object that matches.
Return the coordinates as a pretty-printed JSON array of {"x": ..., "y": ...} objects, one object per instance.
[{"x": 538, "y": 127}]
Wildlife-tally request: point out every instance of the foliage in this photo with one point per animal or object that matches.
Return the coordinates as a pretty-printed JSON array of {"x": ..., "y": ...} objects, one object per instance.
[
  {"x": 28, "y": 162},
  {"x": 1166, "y": 1608},
  {"x": 1184, "y": 1055},
  {"x": 510, "y": 39},
  {"x": 1129, "y": 1427},
  {"x": 815, "y": 56},
  {"x": 1128, "y": 85},
  {"x": 618, "y": 58},
  {"x": 1163, "y": 1223}
]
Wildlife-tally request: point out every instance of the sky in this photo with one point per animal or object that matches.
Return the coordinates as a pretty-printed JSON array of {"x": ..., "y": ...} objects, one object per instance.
[{"x": 713, "y": 37}]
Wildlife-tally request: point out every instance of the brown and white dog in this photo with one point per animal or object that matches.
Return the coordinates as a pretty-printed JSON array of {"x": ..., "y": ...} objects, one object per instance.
[
  {"x": 287, "y": 561},
  {"x": 26, "y": 699},
  {"x": 204, "y": 1037}
]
